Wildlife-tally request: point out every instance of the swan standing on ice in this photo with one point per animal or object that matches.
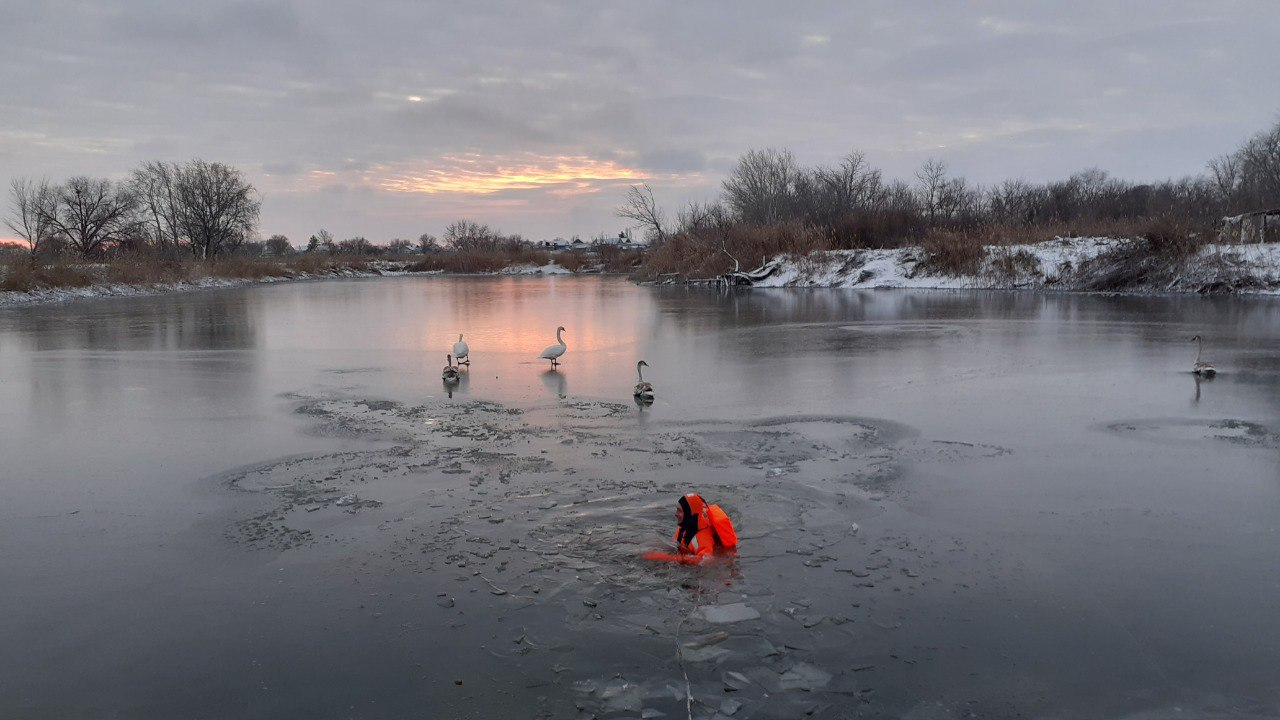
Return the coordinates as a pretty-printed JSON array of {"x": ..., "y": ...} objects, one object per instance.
[
  {"x": 461, "y": 351},
  {"x": 555, "y": 351},
  {"x": 450, "y": 372},
  {"x": 643, "y": 391},
  {"x": 1202, "y": 367}
]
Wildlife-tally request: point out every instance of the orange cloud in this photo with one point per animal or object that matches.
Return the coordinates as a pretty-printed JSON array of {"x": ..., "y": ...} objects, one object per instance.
[{"x": 475, "y": 174}]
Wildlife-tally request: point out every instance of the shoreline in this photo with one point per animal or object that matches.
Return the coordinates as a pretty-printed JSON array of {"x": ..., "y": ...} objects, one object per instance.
[
  {"x": 51, "y": 296},
  {"x": 1103, "y": 266}
]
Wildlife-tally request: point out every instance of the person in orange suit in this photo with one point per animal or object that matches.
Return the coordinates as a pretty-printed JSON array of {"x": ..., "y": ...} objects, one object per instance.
[{"x": 702, "y": 530}]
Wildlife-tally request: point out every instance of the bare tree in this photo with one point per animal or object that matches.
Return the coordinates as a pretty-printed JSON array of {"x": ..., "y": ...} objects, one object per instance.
[
  {"x": 90, "y": 213},
  {"x": 643, "y": 209},
  {"x": 219, "y": 208},
  {"x": 427, "y": 243},
  {"x": 1260, "y": 161},
  {"x": 701, "y": 217},
  {"x": 850, "y": 186},
  {"x": 470, "y": 235},
  {"x": 1225, "y": 171},
  {"x": 900, "y": 198},
  {"x": 155, "y": 185},
  {"x": 958, "y": 202},
  {"x": 279, "y": 245},
  {"x": 761, "y": 188},
  {"x": 933, "y": 181},
  {"x": 357, "y": 245},
  {"x": 27, "y": 197}
]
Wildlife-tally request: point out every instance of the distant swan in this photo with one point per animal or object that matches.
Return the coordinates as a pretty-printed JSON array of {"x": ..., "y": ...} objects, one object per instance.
[
  {"x": 1202, "y": 367},
  {"x": 555, "y": 351},
  {"x": 461, "y": 351},
  {"x": 450, "y": 372},
  {"x": 643, "y": 390}
]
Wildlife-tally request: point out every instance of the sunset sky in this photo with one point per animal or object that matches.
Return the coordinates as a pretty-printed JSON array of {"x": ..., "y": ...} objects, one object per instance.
[{"x": 392, "y": 118}]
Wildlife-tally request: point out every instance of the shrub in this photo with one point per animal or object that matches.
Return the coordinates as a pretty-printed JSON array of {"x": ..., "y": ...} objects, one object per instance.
[
  {"x": 27, "y": 274},
  {"x": 248, "y": 268},
  {"x": 574, "y": 261},
  {"x": 705, "y": 252},
  {"x": 877, "y": 229},
  {"x": 150, "y": 270},
  {"x": 481, "y": 260},
  {"x": 950, "y": 252},
  {"x": 1009, "y": 263},
  {"x": 1172, "y": 240},
  {"x": 617, "y": 259}
]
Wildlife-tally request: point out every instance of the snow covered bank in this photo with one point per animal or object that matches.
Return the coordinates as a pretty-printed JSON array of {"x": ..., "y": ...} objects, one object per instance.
[
  {"x": 1082, "y": 264},
  {"x": 550, "y": 268}
]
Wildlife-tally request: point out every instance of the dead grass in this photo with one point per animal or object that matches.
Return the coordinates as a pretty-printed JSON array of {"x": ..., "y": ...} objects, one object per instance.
[
  {"x": 1011, "y": 264},
  {"x": 1173, "y": 240},
  {"x": 150, "y": 271},
  {"x": 574, "y": 260},
  {"x": 246, "y": 268},
  {"x": 615, "y": 259},
  {"x": 712, "y": 251},
  {"x": 480, "y": 260},
  {"x": 952, "y": 252},
  {"x": 24, "y": 274},
  {"x": 320, "y": 263},
  {"x": 876, "y": 229}
]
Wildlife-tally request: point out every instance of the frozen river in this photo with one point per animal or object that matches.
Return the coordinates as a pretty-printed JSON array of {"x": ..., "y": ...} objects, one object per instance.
[{"x": 263, "y": 503}]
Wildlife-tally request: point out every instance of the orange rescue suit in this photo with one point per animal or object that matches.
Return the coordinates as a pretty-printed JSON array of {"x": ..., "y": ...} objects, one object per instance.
[{"x": 703, "y": 541}]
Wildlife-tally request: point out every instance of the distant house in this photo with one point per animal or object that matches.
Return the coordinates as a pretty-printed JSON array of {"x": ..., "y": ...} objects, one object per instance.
[
  {"x": 1255, "y": 227},
  {"x": 623, "y": 240}
]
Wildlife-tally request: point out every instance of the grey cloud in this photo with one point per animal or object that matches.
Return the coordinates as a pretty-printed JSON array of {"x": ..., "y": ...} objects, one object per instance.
[
  {"x": 285, "y": 168},
  {"x": 673, "y": 160},
  {"x": 169, "y": 23},
  {"x": 282, "y": 88}
]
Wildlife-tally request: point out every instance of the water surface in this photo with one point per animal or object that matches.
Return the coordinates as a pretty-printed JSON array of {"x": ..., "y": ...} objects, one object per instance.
[{"x": 952, "y": 503}]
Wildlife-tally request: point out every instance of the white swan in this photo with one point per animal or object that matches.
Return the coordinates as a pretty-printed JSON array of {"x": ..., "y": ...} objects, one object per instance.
[
  {"x": 1202, "y": 367},
  {"x": 450, "y": 372},
  {"x": 461, "y": 351},
  {"x": 644, "y": 390},
  {"x": 555, "y": 351}
]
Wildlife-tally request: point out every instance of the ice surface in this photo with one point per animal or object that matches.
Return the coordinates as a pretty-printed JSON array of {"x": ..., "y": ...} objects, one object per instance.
[
  {"x": 725, "y": 614},
  {"x": 804, "y": 677}
]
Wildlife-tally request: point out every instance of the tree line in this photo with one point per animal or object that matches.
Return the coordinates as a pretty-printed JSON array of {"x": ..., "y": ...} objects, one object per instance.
[
  {"x": 769, "y": 203},
  {"x": 206, "y": 209}
]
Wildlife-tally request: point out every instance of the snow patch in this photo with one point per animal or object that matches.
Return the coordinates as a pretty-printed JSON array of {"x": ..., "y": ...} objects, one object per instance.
[{"x": 1061, "y": 263}]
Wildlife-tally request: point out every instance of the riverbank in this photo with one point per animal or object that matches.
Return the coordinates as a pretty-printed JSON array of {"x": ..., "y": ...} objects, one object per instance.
[
  {"x": 1068, "y": 264},
  {"x": 101, "y": 280},
  {"x": 1095, "y": 264}
]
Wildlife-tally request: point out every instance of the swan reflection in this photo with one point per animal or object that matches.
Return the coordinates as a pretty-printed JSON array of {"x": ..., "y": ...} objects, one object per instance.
[
  {"x": 556, "y": 383},
  {"x": 1200, "y": 379},
  {"x": 459, "y": 384}
]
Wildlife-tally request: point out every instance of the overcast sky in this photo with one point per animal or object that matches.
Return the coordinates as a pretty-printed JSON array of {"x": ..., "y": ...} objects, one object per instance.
[{"x": 389, "y": 118}]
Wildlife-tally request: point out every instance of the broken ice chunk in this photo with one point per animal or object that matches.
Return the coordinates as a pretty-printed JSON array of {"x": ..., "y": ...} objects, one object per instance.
[
  {"x": 804, "y": 677},
  {"x": 620, "y": 695},
  {"x": 725, "y": 614},
  {"x": 735, "y": 681}
]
